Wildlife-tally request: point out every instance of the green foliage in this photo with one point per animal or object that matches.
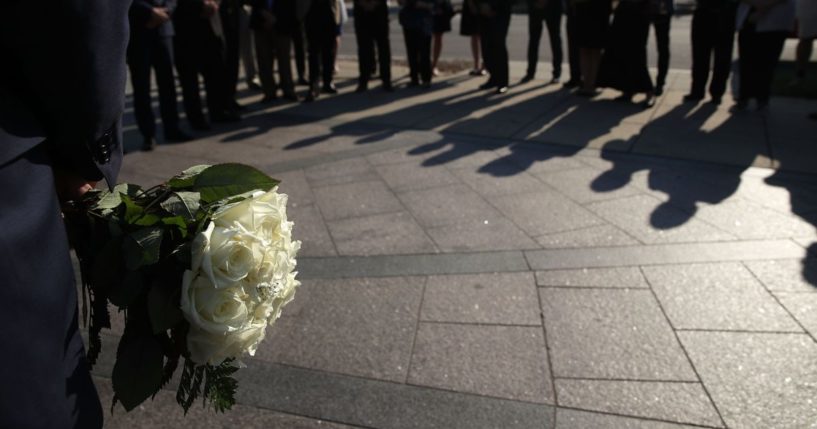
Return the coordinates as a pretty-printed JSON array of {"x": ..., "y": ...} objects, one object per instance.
[
  {"x": 183, "y": 204},
  {"x": 124, "y": 292},
  {"x": 142, "y": 247},
  {"x": 137, "y": 373},
  {"x": 163, "y": 308},
  {"x": 226, "y": 180},
  {"x": 219, "y": 385},
  {"x": 186, "y": 178}
]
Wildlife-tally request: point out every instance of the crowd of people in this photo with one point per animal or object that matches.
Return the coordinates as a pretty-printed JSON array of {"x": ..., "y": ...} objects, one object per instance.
[{"x": 606, "y": 48}]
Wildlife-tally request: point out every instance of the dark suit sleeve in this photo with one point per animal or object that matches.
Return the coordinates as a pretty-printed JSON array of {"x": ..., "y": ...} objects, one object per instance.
[
  {"x": 171, "y": 6},
  {"x": 68, "y": 60},
  {"x": 140, "y": 11}
]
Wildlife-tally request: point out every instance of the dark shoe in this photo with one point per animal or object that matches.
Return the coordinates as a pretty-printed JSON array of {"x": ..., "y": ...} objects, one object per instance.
[
  {"x": 740, "y": 105},
  {"x": 692, "y": 98},
  {"x": 302, "y": 82},
  {"x": 426, "y": 85},
  {"x": 502, "y": 89},
  {"x": 659, "y": 91},
  {"x": 291, "y": 96},
  {"x": 413, "y": 83},
  {"x": 226, "y": 116},
  {"x": 648, "y": 103},
  {"x": 624, "y": 98},
  {"x": 148, "y": 144},
  {"x": 237, "y": 107},
  {"x": 200, "y": 124},
  {"x": 587, "y": 93},
  {"x": 254, "y": 86},
  {"x": 715, "y": 101},
  {"x": 177, "y": 136},
  {"x": 362, "y": 87},
  {"x": 269, "y": 98},
  {"x": 487, "y": 85},
  {"x": 329, "y": 89},
  {"x": 526, "y": 79},
  {"x": 572, "y": 84},
  {"x": 554, "y": 80},
  {"x": 312, "y": 95},
  {"x": 388, "y": 87}
]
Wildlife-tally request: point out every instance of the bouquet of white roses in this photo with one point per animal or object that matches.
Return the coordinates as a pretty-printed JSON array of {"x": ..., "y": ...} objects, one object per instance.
[{"x": 200, "y": 265}]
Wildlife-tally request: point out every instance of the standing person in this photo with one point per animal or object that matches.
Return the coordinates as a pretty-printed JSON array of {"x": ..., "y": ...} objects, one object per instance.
[
  {"x": 713, "y": 38},
  {"x": 285, "y": 28},
  {"x": 442, "y": 24},
  {"x": 549, "y": 11},
  {"x": 372, "y": 27},
  {"x": 62, "y": 91},
  {"x": 199, "y": 49},
  {"x": 624, "y": 63},
  {"x": 469, "y": 27},
  {"x": 573, "y": 55},
  {"x": 321, "y": 22},
  {"x": 274, "y": 22},
  {"x": 661, "y": 12},
  {"x": 151, "y": 46},
  {"x": 763, "y": 26},
  {"x": 416, "y": 17},
  {"x": 247, "y": 48},
  {"x": 344, "y": 16},
  {"x": 806, "y": 32},
  {"x": 299, "y": 45},
  {"x": 229, "y": 11},
  {"x": 495, "y": 18},
  {"x": 592, "y": 27}
]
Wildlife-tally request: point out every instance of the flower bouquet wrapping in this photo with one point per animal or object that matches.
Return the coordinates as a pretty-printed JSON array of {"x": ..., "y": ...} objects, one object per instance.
[{"x": 200, "y": 266}]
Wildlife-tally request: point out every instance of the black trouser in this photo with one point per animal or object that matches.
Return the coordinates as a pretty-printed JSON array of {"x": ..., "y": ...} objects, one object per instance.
[
  {"x": 713, "y": 32},
  {"x": 370, "y": 32},
  {"x": 145, "y": 53},
  {"x": 231, "y": 24},
  {"x": 272, "y": 48},
  {"x": 661, "y": 25},
  {"x": 320, "y": 38},
  {"x": 759, "y": 54},
  {"x": 553, "y": 20},
  {"x": 44, "y": 380},
  {"x": 494, "y": 32},
  {"x": 203, "y": 56},
  {"x": 573, "y": 56},
  {"x": 418, "y": 49},
  {"x": 300, "y": 52}
]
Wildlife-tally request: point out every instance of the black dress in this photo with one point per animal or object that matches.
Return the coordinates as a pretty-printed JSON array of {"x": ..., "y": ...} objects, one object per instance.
[
  {"x": 468, "y": 21},
  {"x": 442, "y": 17},
  {"x": 624, "y": 64},
  {"x": 592, "y": 22}
]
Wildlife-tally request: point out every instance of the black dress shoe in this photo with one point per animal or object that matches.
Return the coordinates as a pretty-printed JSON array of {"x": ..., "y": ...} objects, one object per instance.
[
  {"x": 226, "y": 116},
  {"x": 487, "y": 85},
  {"x": 501, "y": 89},
  {"x": 648, "y": 102},
  {"x": 413, "y": 83},
  {"x": 329, "y": 89},
  {"x": 554, "y": 80},
  {"x": 291, "y": 96},
  {"x": 177, "y": 136},
  {"x": 388, "y": 87},
  {"x": 659, "y": 91},
  {"x": 148, "y": 144},
  {"x": 362, "y": 88},
  {"x": 572, "y": 83},
  {"x": 269, "y": 98},
  {"x": 302, "y": 82},
  {"x": 526, "y": 79},
  {"x": 715, "y": 101},
  {"x": 200, "y": 124},
  {"x": 235, "y": 106},
  {"x": 692, "y": 98}
]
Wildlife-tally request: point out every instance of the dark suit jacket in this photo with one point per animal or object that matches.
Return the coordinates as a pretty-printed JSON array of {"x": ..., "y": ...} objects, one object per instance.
[
  {"x": 140, "y": 13},
  {"x": 286, "y": 19},
  {"x": 63, "y": 81},
  {"x": 191, "y": 26}
]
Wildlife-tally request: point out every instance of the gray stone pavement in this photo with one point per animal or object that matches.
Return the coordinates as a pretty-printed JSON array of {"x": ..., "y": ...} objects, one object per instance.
[{"x": 529, "y": 260}]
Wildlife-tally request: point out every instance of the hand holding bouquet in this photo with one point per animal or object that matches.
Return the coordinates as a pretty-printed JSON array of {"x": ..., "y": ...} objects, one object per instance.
[{"x": 200, "y": 265}]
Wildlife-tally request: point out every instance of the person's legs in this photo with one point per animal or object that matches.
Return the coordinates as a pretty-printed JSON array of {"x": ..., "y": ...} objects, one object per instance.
[
  {"x": 535, "y": 18},
  {"x": 413, "y": 52},
  {"x": 437, "y": 49},
  {"x": 747, "y": 60},
  {"x": 365, "y": 52},
  {"x": 139, "y": 58},
  {"x": 163, "y": 65},
  {"x": 384, "y": 56},
  {"x": 283, "y": 56},
  {"x": 264, "y": 52},
  {"x": 501, "y": 49},
  {"x": 246, "y": 46},
  {"x": 475, "y": 51},
  {"x": 703, "y": 38},
  {"x": 661, "y": 24},
  {"x": 314, "y": 44},
  {"x": 804, "y": 49},
  {"x": 300, "y": 53},
  {"x": 189, "y": 80},
  {"x": 723, "y": 44},
  {"x": 573, "y": 51},
  {"x": 328, "y": 51},
  {"x": 424, "y": 48},
  {"x": 769, "y": 48},
  {"x": 215, "y": 82},
  {"x": 45, "y": 381},
  {"x": 554, "y": 25}
]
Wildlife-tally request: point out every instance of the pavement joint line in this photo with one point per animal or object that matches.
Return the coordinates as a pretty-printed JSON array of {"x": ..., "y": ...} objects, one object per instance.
[
  {"x": 544, "y": 260},
  {"x": 627, "y": 380},
  {"x": 591, "y": 287},
  {"x": 456, "y": 323},
  {"x": 743, "y": 331},
  {"x": 642, "y": 418},
  {"x": 416, "y": 329}
]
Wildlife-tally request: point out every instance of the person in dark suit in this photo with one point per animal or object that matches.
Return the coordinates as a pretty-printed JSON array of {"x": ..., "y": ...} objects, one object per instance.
[
  {"x": 713, "y": 35},
  {"x": 549, "y": 11},
  {"x": 62, "y": 92},
  {"x": 372, "y": 27},
  {"x": 274, "y": 23},
  {"x": 321, "y": 23},
  {"x": 495, "y": 18},
  {"x": 151, "y": 46},
  {"x": 230, "y": 14},
  {"x": 417, "y": 20},
  {"x": 661, "y": 12},
  {"x": 199, "y": 48},
  {"x": 573, "y": 49}
]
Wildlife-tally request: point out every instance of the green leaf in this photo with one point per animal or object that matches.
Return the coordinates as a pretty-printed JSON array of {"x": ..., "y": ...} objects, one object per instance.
[
  {"x": 124, "y": 292},
  {"x": 163, "y": 307},
  {"x": 142, "y": 247},
  {"x": 186, "y": 178},
  {"x": 112, "y": 200},
  {"x": 226, "y": 180},
  {"x": 106, "y": 270},
  {"x": 149, "y": 219},
  {"x": 137, "y": 373},
  {"x": 177, "y": 221},
  {"x": 184, "y": 204},
  {"x": 132, "y": 210}
]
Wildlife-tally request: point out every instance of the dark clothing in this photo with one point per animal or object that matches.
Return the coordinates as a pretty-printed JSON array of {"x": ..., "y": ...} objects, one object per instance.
[
  {"x": 300, "y": 50},
  {"x": 573, "y": 57},
  {"x": 661, "y": 25},
  {"x": 592, "y": 23},
  {"x": 152, "y": 49},
  {"x": 418, "y": 49},
  {"x": 713, "y": 34},
  {"x": 61, "y": 100},
  {"x": 230, "y": 11},
  {"x": 372, "y": 27},
  {"x": 442, "y": 17},
  {"x": 468, "y": 20},
  {"x": 321, "y": 29},
  {"x": 759, "y": 53},
  {"x": 624, "y": 64},
  {"x": 494, "y": 32},
  {"x": 273, "y": 45},
  {"x": 199, "y": 49},
  {"x": 417, "y": 19},
  {"x": 551, "y": 14}
]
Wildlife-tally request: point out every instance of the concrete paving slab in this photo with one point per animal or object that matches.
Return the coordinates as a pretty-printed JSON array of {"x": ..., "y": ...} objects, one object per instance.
[
  {"x": 355, "y": 199},
  {"x": 311, "y": 230},
  {"x": 758, "y": 380},
  {"x": 480, "y": 236},
  {"x": 589, "y": 185},
  {"x": 676, "y": 402},
  {"x": 500, "y": 299},
  {"x": 409, "y": 176},
  {"x": 803, "y": 306},
  {"x": 722, "y": 296},
  {"x": 784, "y": 275},
  {"x": 341, "y": 172},
  {"x": 388, "y": 233},
  {"x": 369, "y": 324},
  {"x": 594, "y": 236},
  {"x": 545, "y": 212},
  {"x": 623, "y": 277},
  {"x": 498, "y": 361},
  {"x": 748, "y": 220},
  {"x": 498, "y": 178},
  {"x": 449, "y": 205},
  {"x": 575, "y": 419},
  {"x": 611, "y": 334}
]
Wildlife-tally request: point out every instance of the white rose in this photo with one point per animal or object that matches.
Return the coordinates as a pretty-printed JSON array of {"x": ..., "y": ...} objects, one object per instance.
[
  {"x": 214, "y": 310},
  {"x": 263, "y": 214},
  {"x": 213, "y": 349},
  {"x": 226, "y": 255}
]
